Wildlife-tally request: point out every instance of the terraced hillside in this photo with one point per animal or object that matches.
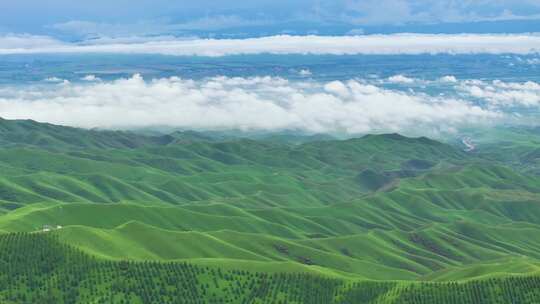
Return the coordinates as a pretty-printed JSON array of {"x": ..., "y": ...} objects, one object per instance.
[{"x": 376, "y": 219}]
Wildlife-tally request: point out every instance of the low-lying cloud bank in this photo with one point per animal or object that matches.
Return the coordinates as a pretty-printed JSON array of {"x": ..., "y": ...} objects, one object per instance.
[
  {"x": 257, "y": 103},
  {"x": 335, "y": 45},
  {"x": 503, "y": 94}
]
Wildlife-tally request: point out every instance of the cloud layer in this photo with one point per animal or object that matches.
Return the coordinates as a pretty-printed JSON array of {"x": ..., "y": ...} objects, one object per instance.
[
  {"x": 504, "y": 94},
  {"x": 335, "y": 45},
  {"x": 257, "y": 103}
]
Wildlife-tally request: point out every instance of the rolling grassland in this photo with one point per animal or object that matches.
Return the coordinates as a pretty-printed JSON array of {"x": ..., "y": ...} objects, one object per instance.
[{"x": 119, "y": 217}]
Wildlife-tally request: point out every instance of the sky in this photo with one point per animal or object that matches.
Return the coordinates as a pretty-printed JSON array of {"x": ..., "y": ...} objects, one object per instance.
[
  {"x": 72, "y": 20},
  {"x": 434, "y": 66}
]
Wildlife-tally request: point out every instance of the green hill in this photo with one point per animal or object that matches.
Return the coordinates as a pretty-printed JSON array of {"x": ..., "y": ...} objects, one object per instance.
[
  {"x": 43, "y": 270},
  {"x": 225, "y": 219}
]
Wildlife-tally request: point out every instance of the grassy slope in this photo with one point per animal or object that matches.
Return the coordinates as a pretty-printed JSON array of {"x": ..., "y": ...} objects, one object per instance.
[
  {"x": 378, "y": 207},
  {"x": 43, "y": 270}
]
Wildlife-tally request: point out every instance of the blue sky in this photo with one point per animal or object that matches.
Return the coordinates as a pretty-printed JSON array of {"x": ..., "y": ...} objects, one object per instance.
[{"x": 68, "y": 19}]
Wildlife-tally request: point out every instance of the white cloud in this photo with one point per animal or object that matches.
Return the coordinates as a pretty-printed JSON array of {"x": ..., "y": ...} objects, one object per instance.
[
  {"x": 335, "y": 45},
  {"x": 448, "y": 79},
  {"x": 305, "y": 72},
  {"x": 53, "y": 79},
  {"x": 503, "y": 94},
  {"x": 338, "y": 88},
  {"x": 400, "y": 79},
  {"x": 57, "y": 80},
  {"x": 91, "y": 78},
  {"x": 260, "y": 103}
]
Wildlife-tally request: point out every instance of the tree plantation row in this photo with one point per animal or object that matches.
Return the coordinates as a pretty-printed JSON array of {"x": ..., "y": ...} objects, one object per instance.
[{"x": 38, "y": 268}]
